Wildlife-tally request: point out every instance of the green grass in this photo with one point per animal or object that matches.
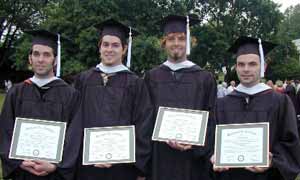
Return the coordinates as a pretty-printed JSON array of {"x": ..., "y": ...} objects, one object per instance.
[{"x": 2, "y": 96}]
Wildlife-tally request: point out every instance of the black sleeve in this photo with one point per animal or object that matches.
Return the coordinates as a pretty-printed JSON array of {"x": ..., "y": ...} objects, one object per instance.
[
  {"x": 210, "y": 102},
  {"x": 286, "y": 156},
  {"x": 142, "y": 119},
  {"x": 73, "y": 138},
  {"x": 7, "y": 120}
]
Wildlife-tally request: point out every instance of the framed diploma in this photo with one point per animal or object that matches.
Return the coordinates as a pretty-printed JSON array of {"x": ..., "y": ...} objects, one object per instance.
[
  {"x": 183, "y": 125},
  {"x": 37, "y": 139},
  {"x": 109, "y": 145},
  {"x": 242, "y": 145}
]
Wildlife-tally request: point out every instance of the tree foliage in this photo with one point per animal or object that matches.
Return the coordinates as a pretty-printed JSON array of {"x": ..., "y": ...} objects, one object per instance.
[{"x": 221, "y": 23}]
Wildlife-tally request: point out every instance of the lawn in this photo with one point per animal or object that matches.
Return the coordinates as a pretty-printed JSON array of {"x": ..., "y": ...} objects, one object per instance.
[{"x": 1, "y": 100}]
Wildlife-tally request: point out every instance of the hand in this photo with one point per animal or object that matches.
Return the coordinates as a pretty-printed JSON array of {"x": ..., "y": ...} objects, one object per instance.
[
  {"x": 141, "y": 178},
  {"x": 179, "y": 146},
  {"x": 217, "y": 169},
  {"x": 28, "y": 165},
  {"x": 256, "y": 169},
  {"x": 103, "y": 165},
  {"x": 44, "y": 166}
]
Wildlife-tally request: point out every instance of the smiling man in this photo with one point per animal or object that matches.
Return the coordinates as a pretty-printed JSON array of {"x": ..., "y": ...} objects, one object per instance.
[
  {"x": 180, "y": 83},
  {"x": 44, "y": 97},
  {"x": 112, "y": 95},
  {"x": 254, "y": 102}
]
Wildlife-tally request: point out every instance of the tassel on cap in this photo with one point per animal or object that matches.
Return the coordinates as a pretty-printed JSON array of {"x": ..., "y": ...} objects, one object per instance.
[
  {"x": 188, "y": 38},
  {"x": 58, "y": 60},
  {"x": 262, "y": 59},
  {"x": 128, "y": 63}
]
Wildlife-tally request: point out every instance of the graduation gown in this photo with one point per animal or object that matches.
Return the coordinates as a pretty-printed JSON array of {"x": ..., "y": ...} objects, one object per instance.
[
  {"x": 267, "y": 106},
  {"x": 56, "y": 101},
  {"x": 123, "y": 100},
  {"x": 189, "y": 88}
]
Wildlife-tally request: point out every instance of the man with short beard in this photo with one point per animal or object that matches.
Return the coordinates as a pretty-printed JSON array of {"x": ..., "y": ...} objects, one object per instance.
[
  {"x": 180, "y": 83},
  {"x": 44, "y": 97}
]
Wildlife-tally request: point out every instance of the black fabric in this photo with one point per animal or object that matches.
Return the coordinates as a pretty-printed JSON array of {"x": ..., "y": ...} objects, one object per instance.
[
  {"x": 122, "y": 100},
  {"x": 190, "y": 88},
  {"x": 115, "y": 28},
  {"x": 176, "y": 23},
  {"x": 57, "y": 103},
  {"x": 248, "y": 45},
  {"x": 278, "y": 110}
]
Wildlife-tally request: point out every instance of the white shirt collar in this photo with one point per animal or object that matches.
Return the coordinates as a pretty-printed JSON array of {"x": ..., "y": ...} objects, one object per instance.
[
  {"x": 177, "y": 66},
  {"x": 42, "y": 82},
  {"x": 260, "y": 87},
  {"x": 111, "y": 69}
]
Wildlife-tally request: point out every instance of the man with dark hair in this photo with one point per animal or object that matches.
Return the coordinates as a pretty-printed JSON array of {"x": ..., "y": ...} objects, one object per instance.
[
  {"x": 255, "y": 102},
  {"x": 112, "y": 95},
  {"x": 45, "y": 97}
]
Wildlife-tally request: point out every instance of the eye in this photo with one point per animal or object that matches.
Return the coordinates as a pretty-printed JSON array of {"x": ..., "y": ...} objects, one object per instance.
[
  {"x": 35, "y": 54},
  {"x": 105, "y": 44},
  {"x": 181, "y": 38},
  {"x": 47, "y": 54},
  {"x": 116, "y": 45},
  {"x": 170, "y": 38}
]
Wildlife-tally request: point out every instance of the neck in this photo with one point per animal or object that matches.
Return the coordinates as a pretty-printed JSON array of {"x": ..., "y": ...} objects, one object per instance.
[
  {"x": 176, "y": 61},
  {"x": 250, "y": 85},
  {"x": 44, "y": 76},
  {"x": 111, "y": 65}
]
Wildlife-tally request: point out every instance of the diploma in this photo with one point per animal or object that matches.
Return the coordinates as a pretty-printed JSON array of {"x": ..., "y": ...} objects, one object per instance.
[
  {"x": 37, "y": 139},
  {"x": 242, "y": 145},
  {"x": 183, "y": 125},
  {"x": 109, "y": 145}
]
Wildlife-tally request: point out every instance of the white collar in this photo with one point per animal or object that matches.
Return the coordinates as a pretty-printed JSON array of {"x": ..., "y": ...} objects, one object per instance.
[
  {"x": 260, "y": 87},
  {"x": 111, "y": 69},
  {"x": 177, "y": 66},
  {"x": 42, "y": 82}
]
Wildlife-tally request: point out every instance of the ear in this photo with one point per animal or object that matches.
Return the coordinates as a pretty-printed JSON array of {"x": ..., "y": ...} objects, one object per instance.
[
  {"x": 30, "y": 59},
  {"x": 55, "y": 61},
  {"x": 125, "y": 50}
]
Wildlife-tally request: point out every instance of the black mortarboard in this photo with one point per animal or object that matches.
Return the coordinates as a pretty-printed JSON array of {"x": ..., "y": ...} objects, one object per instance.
[
  {"x": 115, "y": 28},
  {"x": 50, "y": 39},
  {"x": 179, "y": 24},
  {"x": 249, "y": 45},
  {"x": 43, "y": 37},
  {"x": 176, "y": 23}
]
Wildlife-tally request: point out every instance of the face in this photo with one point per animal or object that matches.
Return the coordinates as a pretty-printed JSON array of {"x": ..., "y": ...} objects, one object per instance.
[
  {"x": 175, "y": 46},
  {"x": 111, "y": 50},
  {"x": 248, "y": 69},
  {"x": 42, "y": 61}
]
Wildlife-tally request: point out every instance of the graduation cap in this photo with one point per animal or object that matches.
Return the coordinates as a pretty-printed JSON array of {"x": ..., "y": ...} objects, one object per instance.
[
  {"x": 175, "y": 24},
  {"x": 115, "y": 28},
  {"x": 46, "y": 38},
  {"x": 249, "y": 45}
]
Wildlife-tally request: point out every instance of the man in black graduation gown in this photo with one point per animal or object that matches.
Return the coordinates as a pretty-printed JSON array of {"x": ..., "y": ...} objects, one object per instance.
[
  {"x": 252, "y": 102},
  {"x": 179, "y": 83},
  {"x": 112, "y": 95},
  {"x": 45, "y": 97}
]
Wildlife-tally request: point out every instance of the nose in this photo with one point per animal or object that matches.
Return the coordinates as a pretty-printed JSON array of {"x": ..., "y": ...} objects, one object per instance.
[
  {"x": 40, "y": 58},
  {"x": 246, "y": 68},
  {"x": 176, "y": 41}
]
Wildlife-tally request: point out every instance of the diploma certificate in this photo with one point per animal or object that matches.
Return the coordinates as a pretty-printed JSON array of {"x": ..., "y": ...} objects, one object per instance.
[
  {"x": 37, "y": 139},
  {"x": 183, "y": 125},
  {"x": 242, "y": 145},
  {"x": 109, "y": 145}
]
